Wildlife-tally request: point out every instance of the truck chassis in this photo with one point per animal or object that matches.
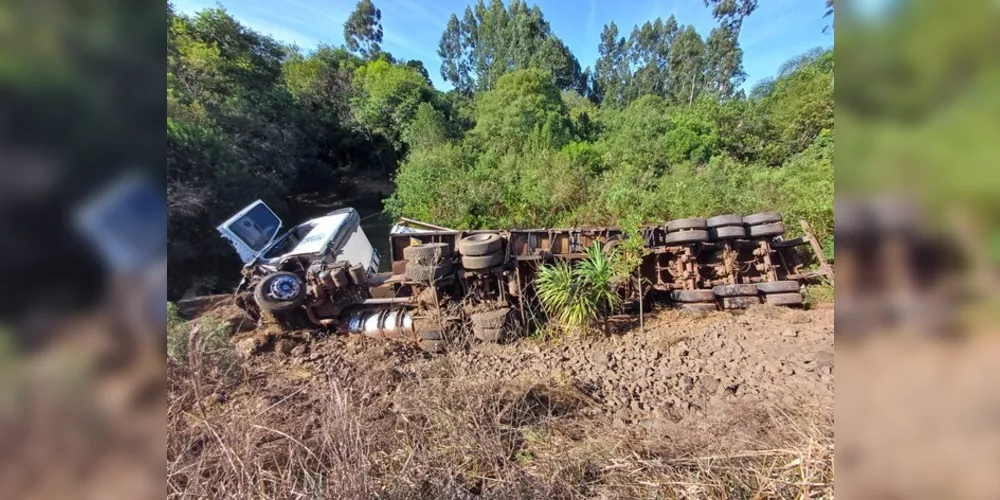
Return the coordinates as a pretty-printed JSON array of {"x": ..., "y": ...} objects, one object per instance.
[{"x": 443, "y": 279}]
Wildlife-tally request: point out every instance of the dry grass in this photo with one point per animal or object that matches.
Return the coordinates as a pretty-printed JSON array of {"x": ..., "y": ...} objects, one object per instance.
[
  {"x": 819, "y": 294},
  {"x": 380, "y": 432}
]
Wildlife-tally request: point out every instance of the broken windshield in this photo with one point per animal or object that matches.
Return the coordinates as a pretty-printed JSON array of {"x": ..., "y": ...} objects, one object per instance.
[{"x": 257, "y": 227}]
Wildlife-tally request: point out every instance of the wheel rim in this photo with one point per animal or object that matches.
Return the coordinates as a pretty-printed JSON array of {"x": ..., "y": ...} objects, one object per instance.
[{"x": 284, "y": 288}]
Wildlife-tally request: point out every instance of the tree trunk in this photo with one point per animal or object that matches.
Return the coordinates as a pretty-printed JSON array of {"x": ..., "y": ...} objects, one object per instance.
[{"x": 691, "y": 100}]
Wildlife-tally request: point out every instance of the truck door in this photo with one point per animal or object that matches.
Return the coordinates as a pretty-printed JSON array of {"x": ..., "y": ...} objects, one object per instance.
[{"x": 251, "y": 230}]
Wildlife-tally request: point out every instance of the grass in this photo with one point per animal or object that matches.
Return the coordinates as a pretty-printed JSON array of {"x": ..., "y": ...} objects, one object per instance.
[
  {"x": 819, "y": 293},
  {"x": 377, "y": 429},
  {"x": 213, "y": 333}
]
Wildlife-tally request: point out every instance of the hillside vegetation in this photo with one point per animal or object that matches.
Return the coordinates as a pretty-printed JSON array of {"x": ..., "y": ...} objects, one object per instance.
[{"x": 658, "y": 128}]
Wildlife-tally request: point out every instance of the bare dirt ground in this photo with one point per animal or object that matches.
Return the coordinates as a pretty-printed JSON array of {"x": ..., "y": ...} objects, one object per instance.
[{"x": 735, "y": 405}]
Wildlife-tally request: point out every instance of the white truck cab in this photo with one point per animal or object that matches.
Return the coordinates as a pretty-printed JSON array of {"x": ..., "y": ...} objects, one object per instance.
[{"x": 254, "y": 234}]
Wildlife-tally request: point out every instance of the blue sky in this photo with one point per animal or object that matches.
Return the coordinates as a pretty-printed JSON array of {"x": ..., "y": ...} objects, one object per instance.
[{"x": 777, "y": 31}]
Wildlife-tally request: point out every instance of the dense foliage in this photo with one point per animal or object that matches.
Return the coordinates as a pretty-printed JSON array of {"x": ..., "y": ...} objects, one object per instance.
[
  {"x": 490, "y": 41},
  {"x": 249, "y": 118},
  {"x": 658, "y": 129},
  {"x": 538, "y": 158}
]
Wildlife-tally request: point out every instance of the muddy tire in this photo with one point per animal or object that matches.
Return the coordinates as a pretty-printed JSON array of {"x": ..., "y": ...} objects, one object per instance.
[
  {"x": 784, "y": 299},
  {"x": 490, "y": 326},
  {"x": 779, "y": 287},
  {"x": 491, "y": 319},
  {"x": 480, "y": 244},
  {"x": 679, "y": 224},
  {"x": 280, "y": 292},
  {"x": 735, "y": 290},
  {"x": 426, "y": 254},
  {"x": 692, "y": 296},
  {"x": 428, "y": 273},
  {"x": 724, "y": 220},
  {"x": 773, "y": 229},
  {"x": 739, "y": 302},
  {"x": 699, "y": 307},
  {"x": 489, "y": 334},
  {"x": 479, "y": 262},
  {"x": 431, "y": 346},
  {"x": 762, "y": 218},
  {"x": 681, "y": 237},
  {"x": 727, "y": 233},
  {"x": 429, "y": 334}
]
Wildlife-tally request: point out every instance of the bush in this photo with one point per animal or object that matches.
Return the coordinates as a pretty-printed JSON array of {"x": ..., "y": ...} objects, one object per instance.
[
  {"x": 524, "y": 109},
  {"x": 579, "y": 294}
]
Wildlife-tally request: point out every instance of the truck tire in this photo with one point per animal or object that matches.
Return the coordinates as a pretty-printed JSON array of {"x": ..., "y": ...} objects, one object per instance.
[
  {"x": 426, "y": 254},
  {"x": 426, "y": 329},
  {"x": 746, "y": 290},
  {"x": 784, "y": 299},
  {"x": 727, "y": 233},
  {"x": 772, "y": 229},
  {"x": 739, "y": 302},
  {"x": 490, "y": 326},
  {"x": 680, "y": 237},
  {"x": 480, "y": 244},
  {"x": 479, "y": 262},
  {"x": 489, "y": 334},
  {"x": 431, "y": 346},
  {"x": 428, "y": 273},
  {"x": 490, "y": 319},
  {"x": 724, "y": 220},
  {"x": 762, "y": 218},
  {"x": 280, "y": 292},
  {"x": 692, "y": 296},
  {"x": 678, "y": 224},
  {"x": 788, "y": 286}
]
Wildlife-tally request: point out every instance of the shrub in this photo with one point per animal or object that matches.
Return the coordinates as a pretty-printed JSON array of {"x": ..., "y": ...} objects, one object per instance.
[{"x": 577, "y": 295}]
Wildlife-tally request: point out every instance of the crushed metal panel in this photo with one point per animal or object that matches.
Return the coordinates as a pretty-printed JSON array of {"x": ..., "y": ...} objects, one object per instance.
[{"x": 405, "y": 225}]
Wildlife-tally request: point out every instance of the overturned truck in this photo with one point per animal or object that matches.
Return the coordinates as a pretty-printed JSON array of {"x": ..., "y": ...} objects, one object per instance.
[{"x": 324, "y": 272}]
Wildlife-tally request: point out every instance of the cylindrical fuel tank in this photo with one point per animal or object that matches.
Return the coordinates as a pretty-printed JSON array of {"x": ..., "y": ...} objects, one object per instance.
[{"x": 385, "y": 323}]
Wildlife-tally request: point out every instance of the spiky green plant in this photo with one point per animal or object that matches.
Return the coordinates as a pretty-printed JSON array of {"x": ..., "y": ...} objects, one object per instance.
[{"x": 577, "y": 295}]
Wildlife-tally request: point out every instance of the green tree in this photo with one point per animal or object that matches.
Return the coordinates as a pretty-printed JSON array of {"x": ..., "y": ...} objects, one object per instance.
[
  {"x": 363, "y": 30},
  {"x": 611, "y": 70},
  {"x": 649, "y": 56},
  {"x": 524, "y": 109},
  {"x": 687, "y": 66},
  {"x": 731, "y": 13},
  {"x": 581, "y": 113},
  {"x": 232, "y": 134},
  {"x": 433, "y": 185},
  {"x": 454, "y": 49},
  {"x": 428, "y": 129},
  {"x": 633, "y": 134},
  {"x": 493, "y": 40},
  {"x": 387, "y": 97},
  {"x": 801, "y": 101},
  {"x": 724, "y": 62}
]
